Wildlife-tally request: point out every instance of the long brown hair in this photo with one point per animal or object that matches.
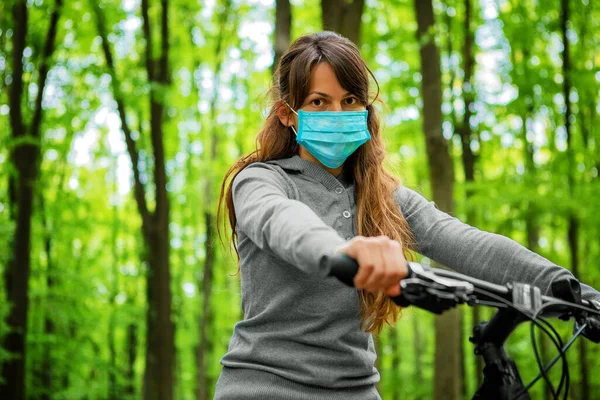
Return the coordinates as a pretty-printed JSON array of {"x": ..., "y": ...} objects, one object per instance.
[{"x": 378, "y": 214}]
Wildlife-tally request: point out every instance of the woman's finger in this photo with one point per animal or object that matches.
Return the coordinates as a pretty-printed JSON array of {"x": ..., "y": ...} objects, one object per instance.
[
  {"x": 357, "y": 248},
  {"x": 377, "y": 278},
  {"x": 394, "y": 258}
]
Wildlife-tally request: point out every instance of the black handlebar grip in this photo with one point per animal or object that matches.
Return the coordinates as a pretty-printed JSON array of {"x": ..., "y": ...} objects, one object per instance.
[
  {"x": 344, "y": 268},
  {"x": 567, "y": 290}
]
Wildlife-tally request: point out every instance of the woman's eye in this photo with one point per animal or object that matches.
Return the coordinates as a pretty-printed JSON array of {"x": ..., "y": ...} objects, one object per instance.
[
  {"x": 351, "y": 101},
  {"x": 317, "y": 102}
]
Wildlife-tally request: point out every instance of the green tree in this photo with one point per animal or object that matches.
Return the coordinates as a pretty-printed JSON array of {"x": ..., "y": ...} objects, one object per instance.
[
  {"x": 160, "y": 346},
  {"x": 448, "y": 355},
  {"x": 24, "y": 158}
]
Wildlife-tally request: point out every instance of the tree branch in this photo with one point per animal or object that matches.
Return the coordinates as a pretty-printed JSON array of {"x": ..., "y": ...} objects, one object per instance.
[
  {"x": 148, "y": 36},
  {"x": 164, "y": 56},
  {"x": 344, "y": 17},
  {"x": 15, "y": 92},
  {"x": 36, "y": 122},
  {"x": 219, "y": 57},
  {"x": 451, "y": 69},
  {"x": 283, "y": 26},
  {"x": 139, "y": 189},
  {"x": 161, "y": 213}
]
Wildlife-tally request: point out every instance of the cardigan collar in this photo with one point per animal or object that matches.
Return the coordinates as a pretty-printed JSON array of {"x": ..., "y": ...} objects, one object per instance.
[{"x": 315, "y": 171}]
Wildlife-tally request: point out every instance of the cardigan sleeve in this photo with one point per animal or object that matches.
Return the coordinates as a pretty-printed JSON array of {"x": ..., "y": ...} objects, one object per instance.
[
  {"x": 470, "y": 251},
  {"x": 274, "y": 222}
]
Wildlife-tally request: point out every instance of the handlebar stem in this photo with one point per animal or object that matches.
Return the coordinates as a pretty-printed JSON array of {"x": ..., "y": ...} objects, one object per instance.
[
  {"x": 501, "y": 376},
  {"x": 497, "y": 329}
]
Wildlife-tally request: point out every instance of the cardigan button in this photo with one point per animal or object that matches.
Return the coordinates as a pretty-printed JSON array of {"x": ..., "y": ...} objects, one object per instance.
[
  {"x": 346, "y": 214},
  {"x": 338, "y": 190}
]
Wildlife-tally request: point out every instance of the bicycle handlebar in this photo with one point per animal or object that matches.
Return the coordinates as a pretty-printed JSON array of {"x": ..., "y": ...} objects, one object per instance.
[{"x": 437, "y": 290}]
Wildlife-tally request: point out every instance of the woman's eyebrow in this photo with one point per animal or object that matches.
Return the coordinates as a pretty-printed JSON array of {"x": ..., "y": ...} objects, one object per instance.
[{"x": 326, "y": 95}]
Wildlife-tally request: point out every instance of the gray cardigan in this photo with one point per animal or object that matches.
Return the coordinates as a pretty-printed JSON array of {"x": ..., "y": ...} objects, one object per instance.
[{"x": 300, "y": 337}]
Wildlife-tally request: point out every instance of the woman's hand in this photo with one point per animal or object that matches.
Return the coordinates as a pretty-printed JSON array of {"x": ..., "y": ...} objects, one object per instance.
[{"x": 381, "y": 263}]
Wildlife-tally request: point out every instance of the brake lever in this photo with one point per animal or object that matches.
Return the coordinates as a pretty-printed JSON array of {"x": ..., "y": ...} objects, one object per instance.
[
  {"x": 430, "y": 292},
  {"x": 431, "y": 296},
  {"x": 592, "y": 322},
  {"x": 425, "y": 274}
]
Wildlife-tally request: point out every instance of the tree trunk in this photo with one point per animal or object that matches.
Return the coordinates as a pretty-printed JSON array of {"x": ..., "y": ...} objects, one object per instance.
[
  {"x": 178, "y": 295},
  {"x": 49, "y": 329},
  {"x": 205, "y": 344},
  {"x": 532, "y": 229},
  {"x": 204, "y": 381},
  {"x": 112, "y": 368},
  {"x": 395, "y": 373},
  {"x": 448, "y": 378},
  {"x": 573, "y": 229},
  {"x": 464, "y": 130},
  {"x": 418, "y": 347},
  {"x": 160, "y": 346},
  {"x": 25, "y": 159},
  {"x": 441, "y": 170},
  {"x": 531, "y": 219},
  {"x": 132, "y": 341},
  {"x": 343, "y": 17},
  {"x": 131, "y": 345},
  {"x": 112, "y": 353},
  {"x": 283, "y": 28},
  {"x": 468, "y": 159}
]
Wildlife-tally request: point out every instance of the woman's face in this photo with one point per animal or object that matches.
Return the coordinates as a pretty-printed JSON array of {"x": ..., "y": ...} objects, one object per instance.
[{"x": 325, "y": 94}]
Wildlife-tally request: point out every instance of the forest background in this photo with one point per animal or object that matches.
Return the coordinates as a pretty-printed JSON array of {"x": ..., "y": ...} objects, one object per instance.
[{"x": 114, "y": 284}]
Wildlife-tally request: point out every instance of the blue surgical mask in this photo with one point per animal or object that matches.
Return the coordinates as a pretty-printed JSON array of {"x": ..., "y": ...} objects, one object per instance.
[{"x": 331, "y": 136}]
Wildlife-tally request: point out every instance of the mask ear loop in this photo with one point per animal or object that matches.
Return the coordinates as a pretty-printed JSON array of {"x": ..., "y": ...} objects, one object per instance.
[{"x": 291, "y": 126}]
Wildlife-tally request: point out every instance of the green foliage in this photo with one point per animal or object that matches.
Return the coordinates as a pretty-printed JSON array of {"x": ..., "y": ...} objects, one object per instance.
[{"x": 88, "y": 273}]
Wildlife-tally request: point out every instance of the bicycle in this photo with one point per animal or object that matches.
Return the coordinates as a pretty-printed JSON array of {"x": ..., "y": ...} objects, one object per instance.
[{"x": 437, "y": 290}]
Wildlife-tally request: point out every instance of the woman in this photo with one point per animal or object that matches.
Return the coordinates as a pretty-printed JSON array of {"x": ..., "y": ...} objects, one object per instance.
[{"x": 316, "y": 185}]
